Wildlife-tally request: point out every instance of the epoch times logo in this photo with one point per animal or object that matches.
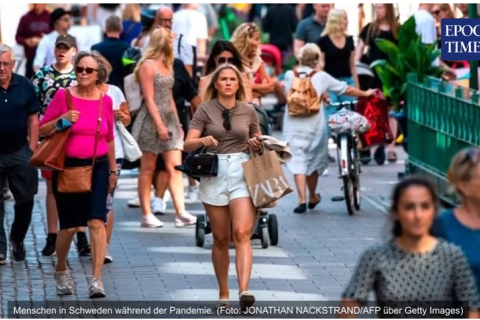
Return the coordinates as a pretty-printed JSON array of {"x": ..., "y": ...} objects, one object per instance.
[{"x": 460, "y": 39}]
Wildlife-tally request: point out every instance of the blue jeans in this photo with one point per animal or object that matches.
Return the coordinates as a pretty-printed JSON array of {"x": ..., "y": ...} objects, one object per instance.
[{"x": 334, "y": 98}]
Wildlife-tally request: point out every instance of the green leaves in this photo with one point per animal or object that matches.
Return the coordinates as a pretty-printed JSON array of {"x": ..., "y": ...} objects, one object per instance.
[{"x": 409, "y": 55}]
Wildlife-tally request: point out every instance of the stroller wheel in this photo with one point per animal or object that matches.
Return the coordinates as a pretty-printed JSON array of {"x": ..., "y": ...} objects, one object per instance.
[
  {"x": 200, "y": 231},
  {"x": 380, "y": 156},
  {"x": 265, "y": 238},
  {"x": 365, "y": 157},
  {"x": 273, "y": 229}
]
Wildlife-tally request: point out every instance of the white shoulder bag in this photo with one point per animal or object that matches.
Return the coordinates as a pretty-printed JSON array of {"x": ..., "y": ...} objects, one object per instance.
[{"x": 131, "y": 149}]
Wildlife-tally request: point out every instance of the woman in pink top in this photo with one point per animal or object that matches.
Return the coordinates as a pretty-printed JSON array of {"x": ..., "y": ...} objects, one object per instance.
[{"x": 84, "y": 209}]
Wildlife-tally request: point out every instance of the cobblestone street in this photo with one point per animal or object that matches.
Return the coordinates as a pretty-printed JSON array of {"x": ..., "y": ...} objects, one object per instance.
[{"x": 313, "y": 261}]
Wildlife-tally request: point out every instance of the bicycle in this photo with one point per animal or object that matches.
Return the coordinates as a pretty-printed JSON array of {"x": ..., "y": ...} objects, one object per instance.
[{"x": 348, "y": 163}]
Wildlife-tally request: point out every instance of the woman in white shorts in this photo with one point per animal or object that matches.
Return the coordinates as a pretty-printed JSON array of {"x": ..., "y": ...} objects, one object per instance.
[{"x": 227, "y": 126}]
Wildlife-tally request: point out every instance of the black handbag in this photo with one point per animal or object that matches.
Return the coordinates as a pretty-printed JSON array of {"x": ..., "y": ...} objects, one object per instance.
[{"x": 199, "y": 164}]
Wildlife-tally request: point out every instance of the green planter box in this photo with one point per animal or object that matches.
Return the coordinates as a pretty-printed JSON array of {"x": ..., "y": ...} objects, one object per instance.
[{"x": 442, "y": 119}]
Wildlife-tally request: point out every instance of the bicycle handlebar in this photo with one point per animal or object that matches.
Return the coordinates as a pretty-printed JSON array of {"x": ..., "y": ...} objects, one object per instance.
[{"x": 350, "y": 105}]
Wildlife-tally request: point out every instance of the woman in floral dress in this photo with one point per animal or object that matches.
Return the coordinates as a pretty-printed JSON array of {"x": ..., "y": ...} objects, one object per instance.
[{"x": 47, "y": 81}]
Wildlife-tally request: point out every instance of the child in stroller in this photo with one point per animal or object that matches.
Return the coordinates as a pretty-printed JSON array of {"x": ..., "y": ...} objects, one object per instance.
[{"x": 266, "y": 229}]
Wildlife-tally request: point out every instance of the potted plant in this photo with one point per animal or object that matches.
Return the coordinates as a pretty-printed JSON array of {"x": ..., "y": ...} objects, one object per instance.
[{"x": 408, "y": 55}]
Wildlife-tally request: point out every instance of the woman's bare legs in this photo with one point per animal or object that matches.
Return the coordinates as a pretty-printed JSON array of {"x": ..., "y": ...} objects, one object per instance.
[
  {"x": 219, "y": 218},
  {"x": 312, "y": 181},
  {"x": 110, "y": 220},
  {"x": 394, "y": 127},
  {"x": 242, "y": 213},
  {"x": 173, "y": 158},
  {"x": 51, "y": 204},
  {"x": 147, "y": 169},
  {"x": 301, "y": 184},
  {"x": 99, "y": 245}
]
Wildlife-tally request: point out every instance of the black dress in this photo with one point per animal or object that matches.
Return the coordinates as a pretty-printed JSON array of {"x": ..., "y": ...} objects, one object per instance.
[{"x": 374, "y": 53}]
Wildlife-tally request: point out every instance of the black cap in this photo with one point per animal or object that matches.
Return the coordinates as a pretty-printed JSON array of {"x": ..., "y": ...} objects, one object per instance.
[
  {"x": 56, "y": 15},
  {"x": 66, "y": 40}
]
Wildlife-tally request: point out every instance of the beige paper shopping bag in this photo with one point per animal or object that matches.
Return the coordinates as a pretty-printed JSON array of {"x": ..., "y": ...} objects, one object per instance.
[{"x": 265, "y": 179}]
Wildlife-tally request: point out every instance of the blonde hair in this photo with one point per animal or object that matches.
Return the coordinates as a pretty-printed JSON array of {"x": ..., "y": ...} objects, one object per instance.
[
  {"x": 241, "y": 41},
  {"x": 309, "y": 55},
  {"x": 132, "y": 12},
  {"x": 446, "y": 7},
  {"x": 211, "y": 92},
  {"x": 161, "y": 43},
  {"x": 462, "y": 167},
  {"x": 334, "y": 27}
]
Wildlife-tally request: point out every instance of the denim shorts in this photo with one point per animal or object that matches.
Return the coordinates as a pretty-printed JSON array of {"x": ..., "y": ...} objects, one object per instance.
[
  {"x": 76, "y": 209},
  {"x": 112, "y": 194}
]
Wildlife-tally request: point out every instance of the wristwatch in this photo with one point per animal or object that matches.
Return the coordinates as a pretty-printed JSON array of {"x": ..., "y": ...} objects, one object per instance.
[{"x": 113, "y": 172}]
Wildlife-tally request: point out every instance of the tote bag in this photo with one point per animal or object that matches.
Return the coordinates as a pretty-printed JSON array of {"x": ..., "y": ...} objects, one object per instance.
[{"x": 131, "y": 149}]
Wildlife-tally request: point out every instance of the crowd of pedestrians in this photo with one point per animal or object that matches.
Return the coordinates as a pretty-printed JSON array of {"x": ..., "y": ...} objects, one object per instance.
[{"x": 433, "y": 256}]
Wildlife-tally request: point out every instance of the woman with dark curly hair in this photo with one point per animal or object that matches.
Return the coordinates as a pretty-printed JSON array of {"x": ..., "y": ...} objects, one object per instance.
[{"x": 90, "y": 143}]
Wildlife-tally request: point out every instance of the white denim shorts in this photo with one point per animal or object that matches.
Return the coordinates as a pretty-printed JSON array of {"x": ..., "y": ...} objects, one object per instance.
[{"x": 229, "y": 184}]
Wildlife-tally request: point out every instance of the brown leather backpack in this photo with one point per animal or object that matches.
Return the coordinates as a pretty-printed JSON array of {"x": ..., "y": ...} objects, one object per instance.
[{"x": 303, "y": 99}]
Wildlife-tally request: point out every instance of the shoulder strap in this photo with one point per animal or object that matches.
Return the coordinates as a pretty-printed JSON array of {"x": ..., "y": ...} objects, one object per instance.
[
  {"x": 130, "y": 28},
  {"x": 99, "y": 123},
  {"x": 312, "y": 73},
  {"x": 69, "y": 99},
  {"x": 179, "y": 46}
]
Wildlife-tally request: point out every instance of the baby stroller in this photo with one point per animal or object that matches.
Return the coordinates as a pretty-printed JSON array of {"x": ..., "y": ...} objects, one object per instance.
[
  {"x": 365, "y": 79},
  {"x": 272, "y": 57},
  {"x": 266, "y": 229}
]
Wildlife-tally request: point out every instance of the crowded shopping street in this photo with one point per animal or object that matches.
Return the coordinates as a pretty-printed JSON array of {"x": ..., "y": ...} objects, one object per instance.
[{"x": 207, "y": 160}]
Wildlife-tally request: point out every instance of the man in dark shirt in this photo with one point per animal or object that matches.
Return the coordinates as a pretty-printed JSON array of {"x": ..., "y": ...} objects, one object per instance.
[
  {"x": 112, "y": 48},
  {"x": 18, "y": 140},
  {"x": 280, "y": 23},
  {"x": 309, "y": 29},
  {"x": 30, "y": 30}
]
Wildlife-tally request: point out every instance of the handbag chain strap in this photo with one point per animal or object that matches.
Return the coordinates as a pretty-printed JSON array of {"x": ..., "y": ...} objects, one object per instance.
[{"x": 99, "y": 121}]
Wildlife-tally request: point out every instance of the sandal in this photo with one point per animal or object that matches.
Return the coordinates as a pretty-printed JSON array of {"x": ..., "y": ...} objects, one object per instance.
[
  {"x": 392, "y": 156},
  {"x": 246, "y": 300},
  {"x": 312, "y": 205},
  {"x": 222, "y": 303}
]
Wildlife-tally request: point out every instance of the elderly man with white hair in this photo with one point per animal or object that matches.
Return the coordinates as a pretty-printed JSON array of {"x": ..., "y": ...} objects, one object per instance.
[{"x": 307, "y": 136}]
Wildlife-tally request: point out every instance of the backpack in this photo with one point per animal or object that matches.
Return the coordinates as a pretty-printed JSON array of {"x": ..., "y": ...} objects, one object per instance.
[
  {"x": 302, "y": 99},
  {"x": 131, "y": 87}
]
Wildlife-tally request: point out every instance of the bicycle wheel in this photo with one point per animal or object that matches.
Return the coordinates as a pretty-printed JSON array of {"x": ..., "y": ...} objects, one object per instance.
[
  {"x": 349, "y": 194},
  {"x": 348, "y": 183},
  {"x": 356, "y": 179}
]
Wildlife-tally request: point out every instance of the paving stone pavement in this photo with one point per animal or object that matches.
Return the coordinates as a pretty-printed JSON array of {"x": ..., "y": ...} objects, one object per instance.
[{"x": 313, "y": 261}]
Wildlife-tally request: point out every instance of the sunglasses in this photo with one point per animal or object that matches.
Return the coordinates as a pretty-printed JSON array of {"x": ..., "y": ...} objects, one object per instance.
[
  {"x": 436, "y": 12},
  {"x": 223, "y": 60},
  {"x": 87, "y": 70},
  {"x": 472, "y": 155},
  {"x": 227, "y": 119}
]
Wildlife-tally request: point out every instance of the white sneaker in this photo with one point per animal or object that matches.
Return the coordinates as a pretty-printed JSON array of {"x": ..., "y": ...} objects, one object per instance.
[
  {"x": 134, "y": 203},
  {"x": 325, "y": 173},
  {"x": 158, "y": 206},
  {"x": 192, "y": 195},
  {"x": 167, "y": 197},
  {"x": 150, "y": 221},
  {"x": 185, "y": 219}
]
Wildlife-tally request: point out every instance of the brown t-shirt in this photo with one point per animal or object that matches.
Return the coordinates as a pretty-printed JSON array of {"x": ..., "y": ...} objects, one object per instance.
[{"x": 208, "y": 120}]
